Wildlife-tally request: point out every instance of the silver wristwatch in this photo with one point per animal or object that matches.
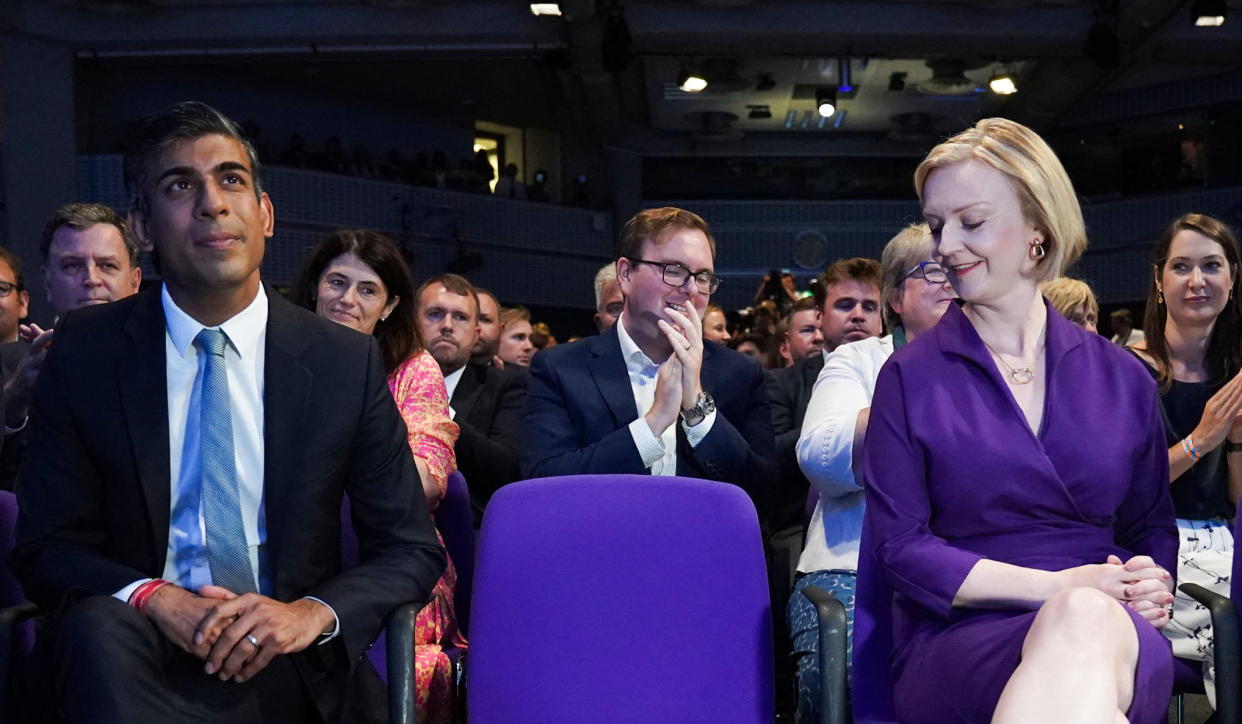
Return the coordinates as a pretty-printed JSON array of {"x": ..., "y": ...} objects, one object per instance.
[{"x": 702, "y": 408}]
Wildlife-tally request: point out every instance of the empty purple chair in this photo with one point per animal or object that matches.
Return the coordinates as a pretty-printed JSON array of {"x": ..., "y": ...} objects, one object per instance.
[
  {"x": 455, "y": 521},
  {"x": 620, "y": 598}
]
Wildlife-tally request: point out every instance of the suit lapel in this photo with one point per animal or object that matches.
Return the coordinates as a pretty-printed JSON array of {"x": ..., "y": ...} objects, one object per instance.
[
  {"x": 469, "y": 389},
  {"x": 286, "y": 396},
  {"x": 611, "y": 375},
  {"x": 140, "y": 369}
]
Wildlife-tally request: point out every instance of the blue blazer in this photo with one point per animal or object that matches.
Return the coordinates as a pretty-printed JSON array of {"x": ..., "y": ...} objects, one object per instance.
[{"x": 579, "y": 404}]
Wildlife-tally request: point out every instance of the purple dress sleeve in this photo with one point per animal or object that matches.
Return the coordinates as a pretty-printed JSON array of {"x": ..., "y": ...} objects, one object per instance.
[{"x": 915, "y": 561}]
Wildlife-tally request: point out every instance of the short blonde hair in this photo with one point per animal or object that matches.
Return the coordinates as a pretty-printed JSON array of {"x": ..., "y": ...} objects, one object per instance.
[
  {"x": 1068, "y": 295},
  {"x": 1044, "y": 190},
  {"x": 910, "y": 246},
  {"x": 513, "y": 315}
]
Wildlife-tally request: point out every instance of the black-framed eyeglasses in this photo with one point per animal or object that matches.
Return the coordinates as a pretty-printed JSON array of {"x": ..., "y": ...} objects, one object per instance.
[
  {"x": 675, "y": 275},
  {"x": 928, "y": 271},
  {"x": 7, "y": 288}
]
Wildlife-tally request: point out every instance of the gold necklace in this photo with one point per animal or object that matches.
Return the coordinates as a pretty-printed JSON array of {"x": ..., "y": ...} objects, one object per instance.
[{"x": 1017, "y": 375}]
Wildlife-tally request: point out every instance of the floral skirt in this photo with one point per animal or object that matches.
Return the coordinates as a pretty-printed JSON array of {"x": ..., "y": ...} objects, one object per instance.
[{"x": 435, "y": 630}]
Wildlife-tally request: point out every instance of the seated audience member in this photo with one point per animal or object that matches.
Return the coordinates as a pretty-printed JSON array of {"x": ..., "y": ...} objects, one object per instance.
[
  {"x": 754, "y": 346},
  {"x": 541, "y": 336},
  {"x": 829, "y": 444},
  {"x": 1193, "y": 349},
  {"x": 358, "y": 278},
  {"x": 1125, "y": 334},
  {"x": 614, "y": 403},
  {"x": 848, "y": 296},
  {"x": 484, "y": 400},
  {"x": 848, "y": 311},
  {"x": 180, "y": 505},
  {"x": 803, "y": 337},
  {"x": 778, "y": 351},
  {"x": 764, "y": 319},
  {"x": 89, "y": 257},
  {"x": 14, "y": 299},
  {"x": 1018, "y": 534},
  {"x": 516, "y": 347},
  {"x": 487, "y": 343},
  {"x": 608, "y": 301},
  {"x": 1074, "y": 300},
  {"x": 715, "y": 325}
]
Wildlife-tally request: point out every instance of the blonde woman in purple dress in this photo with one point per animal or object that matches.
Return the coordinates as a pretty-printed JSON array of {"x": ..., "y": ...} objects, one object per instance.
[{"x": 1018, "y": 525}]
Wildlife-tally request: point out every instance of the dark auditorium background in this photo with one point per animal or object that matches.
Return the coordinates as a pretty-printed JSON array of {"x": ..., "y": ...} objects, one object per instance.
[{"x": 380, "y": 113}]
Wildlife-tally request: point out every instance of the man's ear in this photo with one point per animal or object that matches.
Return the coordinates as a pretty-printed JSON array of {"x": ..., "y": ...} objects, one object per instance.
[
  {"x": 625, "y": 268},
  {"x": 137, "y": 221},
  {"x": 269, "y": 215}
]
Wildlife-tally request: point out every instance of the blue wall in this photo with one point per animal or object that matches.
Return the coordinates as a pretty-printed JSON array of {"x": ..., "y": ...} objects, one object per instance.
[{"x": 542, "y": 254}]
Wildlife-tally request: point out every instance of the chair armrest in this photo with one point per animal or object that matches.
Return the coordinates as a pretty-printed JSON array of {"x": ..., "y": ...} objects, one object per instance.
[
  {"x": 1228, "y": 651},
  {"x": 399, "y": 639},
  {"x": 833, "y": 667}
]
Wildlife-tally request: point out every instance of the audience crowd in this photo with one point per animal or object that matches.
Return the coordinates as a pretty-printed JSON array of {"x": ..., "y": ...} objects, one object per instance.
[{"x": 940, "y": 439}]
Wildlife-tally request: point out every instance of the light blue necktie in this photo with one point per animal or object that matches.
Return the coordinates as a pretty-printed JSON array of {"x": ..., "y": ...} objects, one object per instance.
[{"x": 227, "y": 552}]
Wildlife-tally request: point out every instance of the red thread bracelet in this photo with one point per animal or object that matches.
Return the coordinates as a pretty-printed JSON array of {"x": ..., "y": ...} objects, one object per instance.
[{"x": 142, "y": 595}]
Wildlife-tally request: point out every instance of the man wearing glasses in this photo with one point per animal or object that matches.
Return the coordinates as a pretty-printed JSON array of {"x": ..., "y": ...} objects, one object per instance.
[{"x": 649, "y": 395}]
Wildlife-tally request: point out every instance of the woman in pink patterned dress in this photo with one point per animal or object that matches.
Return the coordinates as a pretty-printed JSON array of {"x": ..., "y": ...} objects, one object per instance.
[{"x": 358, "y": 278}]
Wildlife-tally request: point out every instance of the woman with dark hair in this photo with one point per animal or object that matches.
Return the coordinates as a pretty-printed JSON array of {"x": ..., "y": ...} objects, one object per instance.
[
  {"x": 1017, "y": 534},
  {"x": 359, "y": 279},
  {"x": 1193, "y": 348}
]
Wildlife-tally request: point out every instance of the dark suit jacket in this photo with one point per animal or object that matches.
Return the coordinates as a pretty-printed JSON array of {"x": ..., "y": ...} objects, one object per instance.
[
  {"x": 580, "y": 403},
  {"x": 789, "y": 391},
  {"x": 94, "y": 494},
  {"x": 487, "y": 404}
]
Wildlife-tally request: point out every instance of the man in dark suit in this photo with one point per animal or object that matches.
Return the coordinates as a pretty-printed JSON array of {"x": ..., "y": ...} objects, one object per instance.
[
  {"x": 485, "y": 400},
  {"x": 649, "y": 395},
  {"x": 848, "y": 302},
  {"x": 189, "y": 450}
]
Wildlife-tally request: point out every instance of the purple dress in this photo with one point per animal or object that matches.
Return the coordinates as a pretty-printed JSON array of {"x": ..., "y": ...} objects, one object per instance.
[{"x": 954, "y": 474}]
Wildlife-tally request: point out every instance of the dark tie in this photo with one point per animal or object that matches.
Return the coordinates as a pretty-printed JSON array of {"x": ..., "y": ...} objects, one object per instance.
[{"x": 227, "y": 552}]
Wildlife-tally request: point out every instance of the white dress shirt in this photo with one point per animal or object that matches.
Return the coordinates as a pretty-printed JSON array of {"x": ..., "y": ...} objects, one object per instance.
[
  {"x": 450, "y": 386},
  {"x": 825, "y": 451},
  {"x": 658, "y": 454}
]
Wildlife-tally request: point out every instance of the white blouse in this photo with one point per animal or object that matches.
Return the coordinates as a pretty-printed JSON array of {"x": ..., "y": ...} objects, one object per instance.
[{"x": 826, "y": 452}]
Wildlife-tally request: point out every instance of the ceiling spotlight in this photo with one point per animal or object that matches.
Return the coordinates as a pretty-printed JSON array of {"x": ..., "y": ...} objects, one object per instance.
[
  {"x": 545, "y": 9},
  {"x": 1208, "y": 13},
  {"x": 826, "y": 101},
  {"x": 691, "y": 80},
  {"x": 1003, "y": 84}
]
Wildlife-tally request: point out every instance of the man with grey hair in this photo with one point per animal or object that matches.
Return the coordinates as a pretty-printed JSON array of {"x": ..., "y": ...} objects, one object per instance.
[
  {"x": 89, "y": 257},
  {"x": 608, "y": 298}
]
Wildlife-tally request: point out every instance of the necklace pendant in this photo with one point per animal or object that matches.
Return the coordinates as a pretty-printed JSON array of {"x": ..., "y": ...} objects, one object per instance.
[{"x": 1022, "y": 375}]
